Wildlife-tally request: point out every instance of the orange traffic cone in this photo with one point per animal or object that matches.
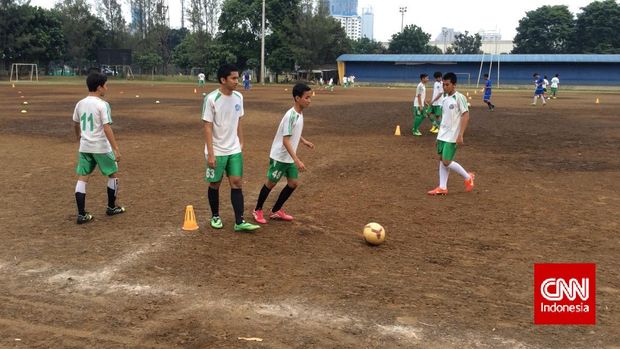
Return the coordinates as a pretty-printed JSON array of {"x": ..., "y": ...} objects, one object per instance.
[
  {"x": 397, "y": 132},
  {"x": 189, "y": 223}
]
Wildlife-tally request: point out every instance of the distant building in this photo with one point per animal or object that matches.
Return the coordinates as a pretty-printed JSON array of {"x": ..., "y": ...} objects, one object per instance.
[
  {"x": 352, "y": 26},
  {"x": 343, "y": 7},
  {"x": 491, "y": 41},
  {"x": 368, "y": 19}
]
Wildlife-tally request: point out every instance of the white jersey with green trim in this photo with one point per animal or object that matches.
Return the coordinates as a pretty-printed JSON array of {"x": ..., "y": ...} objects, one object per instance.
[
  {"x": 291, "y": 125},
  {"x": 421, "y": 91},
  {"x": 437, "y": 91},
  {"x": 224, "y": 112},
  {"x": 92, "y": 113},
  {"x": 555, "y": 82},
  {"x": 452, "y": 109}
]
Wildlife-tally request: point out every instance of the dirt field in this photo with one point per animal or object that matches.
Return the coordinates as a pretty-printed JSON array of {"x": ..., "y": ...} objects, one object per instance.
[{"x": 455, "y": 271}]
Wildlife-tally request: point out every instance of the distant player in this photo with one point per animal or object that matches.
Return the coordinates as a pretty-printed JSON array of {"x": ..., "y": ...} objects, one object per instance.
[
  {"x": 201, "y": 79},
  {"x": 540, "y": 89},
  {"x": 555, "y": 83},
  {"x": 221, "y": 112},
  {"x": 453, "y": 124},
  {"x": 419, "y": 102},
  {"x": 545, "y": 86},
  {"x": 247, "y": 81},
  {"x": 436, "y": 102},
  {"x": 352, "y": 80},
  {"x": 92, "y": 118},
  {"x": 283, "y": 160},
  {"x": 345, "y": 81},
  {"x": 487, "y": 93},
  {"x": 321, "y": 82},
  {"x": 330, "y": 84}
]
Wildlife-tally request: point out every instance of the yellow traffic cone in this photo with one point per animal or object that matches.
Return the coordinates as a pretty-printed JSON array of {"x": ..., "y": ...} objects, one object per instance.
[
  {"x": 596, "y": 101},
  {"x": 195, "y": 91},
  {"x": 397, "y": 132},
  {"x": 475, "y": 92},
  {"x": 189, "y": 223},
  {"x": 13, "y": 85},
  {"x": 467, "y": 93},
  {"x": 313, "y": 94}
]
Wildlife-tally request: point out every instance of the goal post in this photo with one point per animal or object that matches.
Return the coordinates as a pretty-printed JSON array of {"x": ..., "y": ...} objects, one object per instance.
[
  {"x": 464, "y": 75},
  {"x": 27, "y": 71}
]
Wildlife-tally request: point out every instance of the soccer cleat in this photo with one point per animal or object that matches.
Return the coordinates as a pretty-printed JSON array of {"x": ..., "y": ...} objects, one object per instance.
[
  {"x": 469, "y": 183},
  {"x": 245, "y": 226},
  {"x": 111, "y": 211},
  {"x": 434, "y": 129},
  {"x": 85, "y": 218},
  {"x": 416, "y": 133},
  {"x": 438, "y": 191},
  {"x": 258, "y": 217},
  {"x": 281, "y": 215},
  {"x": 216, "y": 222}
]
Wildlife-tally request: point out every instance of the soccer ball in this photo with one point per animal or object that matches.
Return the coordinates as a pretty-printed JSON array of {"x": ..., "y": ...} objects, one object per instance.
[{"x": 374, "y": 234}]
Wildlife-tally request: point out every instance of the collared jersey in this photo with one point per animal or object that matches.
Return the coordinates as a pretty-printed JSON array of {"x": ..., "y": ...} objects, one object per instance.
[
  {"x": 92, "y": 113},
  {"x": 201, "y": 77},
  {"x": 487, "y": 88},
  {"x": 453, "y": 107},
  {"x": 291, "y": 125},
  {"x": 224, "y": 112},
  {"x": 555, "y": 82},
  {"x": 437, "y": 91},
  {"x": 421, "y": 91}
]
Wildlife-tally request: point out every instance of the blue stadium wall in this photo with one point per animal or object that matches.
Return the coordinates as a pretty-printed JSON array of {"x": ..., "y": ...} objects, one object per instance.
[{"x": 574, "y": 73}]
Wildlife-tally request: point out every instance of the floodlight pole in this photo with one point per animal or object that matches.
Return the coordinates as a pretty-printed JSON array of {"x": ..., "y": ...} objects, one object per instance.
[
  {"x": 262, "y": 49},
  {"x": 402, "y": 11}
]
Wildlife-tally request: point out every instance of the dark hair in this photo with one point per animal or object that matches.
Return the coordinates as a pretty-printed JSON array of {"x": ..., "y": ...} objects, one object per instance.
[
  {"x": 437, "y": 74},
  {"x": 225, "y": 71},
  {"x": 535, "y": 74},
  {"x": 299, "y": 89},
  {"x": 422, "y": 76},
  {"x": 450, "y": 76},
  {"x": 486, "y": 75},
  {"x": 557, "y": 75},
  {"x": 94, "y": 80},
  {"x": 545, "y": 76}
]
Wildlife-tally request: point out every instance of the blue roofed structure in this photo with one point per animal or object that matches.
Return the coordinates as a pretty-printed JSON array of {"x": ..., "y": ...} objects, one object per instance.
[{"x": 574, "y": 69}]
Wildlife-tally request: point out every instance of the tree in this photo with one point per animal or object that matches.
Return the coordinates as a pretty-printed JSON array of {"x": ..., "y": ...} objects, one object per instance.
[
  {"x": 548, "y": 29},
  {"x": 149, "y": 61},
  {"x": 412, "y": 39},
  {"x": 466, "y": 44},
  {"x": 111, "y": 13},
  {"x": 367, "y": 46},
  {"x": 597, "y": 28},
  {"x": 83, "y": 32}
]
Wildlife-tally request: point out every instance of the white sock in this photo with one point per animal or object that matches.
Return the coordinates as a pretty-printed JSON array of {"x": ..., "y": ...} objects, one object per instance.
[
  {"x": 80, "y": 187},
  {"x": 113, "y": 183},
  {"x": 535, "y": 99},
  {"x": 454, "y": 166},
  {"x": 443, "y": 175}
]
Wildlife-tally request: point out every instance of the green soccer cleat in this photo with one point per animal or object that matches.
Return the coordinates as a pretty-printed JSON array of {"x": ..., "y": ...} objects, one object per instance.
[
  {"x": 245, "y": 226},
  {"x": 82, "y": 219},
  {"x": 216, "y": 223},
  {"x": 416, "y": 133}
]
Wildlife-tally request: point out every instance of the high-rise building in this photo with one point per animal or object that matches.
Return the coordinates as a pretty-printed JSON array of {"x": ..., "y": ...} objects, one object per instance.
[
  {"x": 352, "y": 26},
  {"x": 343, "y": 7},
  {"x": 368, "y": 23}
]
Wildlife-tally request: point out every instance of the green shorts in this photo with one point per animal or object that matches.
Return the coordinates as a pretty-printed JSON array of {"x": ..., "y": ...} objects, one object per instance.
[
  {"x": 201, "y": 83},
  {"x": 417, "y": 112},
  {"x": 231, "y": 164},
  {"x": 436, "y": 109},
  {"x": 279, "y": 169},
  {"x": 88, "y": 161},
  {"x": 554, "y": 90},
  {"x": 447, "y": 150}
]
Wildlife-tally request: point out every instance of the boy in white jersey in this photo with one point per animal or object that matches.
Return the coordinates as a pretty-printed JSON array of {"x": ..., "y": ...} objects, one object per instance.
[
  {"x": 283, "y": 160},
  {"x": 555, "y": 83},
  {"x": 201, "y": 79},
  {"x": 453, "y": 124},
  {"x": 92, "y": 118},
  {"x": 436, "y": 102},
  {"x": 419, "y": 101},
  {"x": 221, "y": 112}
]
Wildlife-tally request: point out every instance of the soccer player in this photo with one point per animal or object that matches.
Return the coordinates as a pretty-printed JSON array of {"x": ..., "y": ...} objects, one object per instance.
[
  {"x": 555, "y": 83},
  {"x": 246, "y": 81},
  {"x": 545, "y": 86},
  {"x": 283, "y": 159},
  {"x": 436, "y": 102},
  {"x": 92, "y": 118},
  {"x": 221, "y": 112},
  {"x": 453, "y": 124},
  {"x": 419, "y": 101},
  {"x": 540, "y": 89},
  {"x": 487, "y": 93},
  {"x": 201, "y": 79}
]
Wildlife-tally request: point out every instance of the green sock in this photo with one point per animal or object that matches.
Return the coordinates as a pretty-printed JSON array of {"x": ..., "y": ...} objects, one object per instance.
[{"x": 417, "y": 121}]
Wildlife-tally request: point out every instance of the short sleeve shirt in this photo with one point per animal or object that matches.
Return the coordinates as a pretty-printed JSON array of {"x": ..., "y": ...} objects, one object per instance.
[
  {"x": 554, "y": 82},
  {"x": 453, "y": 107},
  {"x": 201, "y": 77},
  {"x": 291, "y": 125},
  {"x": 437, "y": 91},
  {"x": 224, "y": 112},
  {"x": 92, "y": 113},
  {"x": 419, "y": 91},
  {"x": 487, "y": 88}
]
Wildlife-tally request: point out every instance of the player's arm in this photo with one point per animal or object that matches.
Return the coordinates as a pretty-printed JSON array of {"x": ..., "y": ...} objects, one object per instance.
[
  {"x": 240, "y": 133},
  {"x": 107, "y": 129},
  {"x": 464, "y": 122},
  {"x": 289, "y": 148},
  {"x": 209, "y": 142},
  {"x": 78, "y": 130},
  {"x": 307, "y": 143},
  {"x": 420, "y": 104}
]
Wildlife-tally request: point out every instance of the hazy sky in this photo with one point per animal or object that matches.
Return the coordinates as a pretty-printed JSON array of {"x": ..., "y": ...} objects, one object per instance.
[{"x": 462, "y": 15}]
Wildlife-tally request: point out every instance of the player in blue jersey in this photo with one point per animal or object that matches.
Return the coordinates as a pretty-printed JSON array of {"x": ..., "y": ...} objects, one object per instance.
[
  {"x": 540, "y": 89},
  {"x": 487, "y": 92}
]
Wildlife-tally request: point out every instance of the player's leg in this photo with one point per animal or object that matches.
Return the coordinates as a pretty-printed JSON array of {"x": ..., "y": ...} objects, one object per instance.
[
  {"x": 273, "y": 176},
  {"x": 292, "y": 175},
  {"x": 86, "y": 165},
  {"x": 214, "y": 177},
  {"x": 448, "y": 160},
  {"x": 234, "y": 170},
  {"x": 109, "y": 167},
  {"x": 535, "y": 97},
  {"x": 418, "y": 117},
  {"x": 442, "y": 189}
]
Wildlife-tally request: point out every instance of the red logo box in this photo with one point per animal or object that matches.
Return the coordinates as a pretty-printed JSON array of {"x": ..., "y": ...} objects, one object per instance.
[{"x": 565, "y": 294}]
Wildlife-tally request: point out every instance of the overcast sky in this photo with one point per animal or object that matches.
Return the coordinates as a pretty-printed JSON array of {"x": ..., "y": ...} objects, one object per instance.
[{"x": 462, "y": 15}]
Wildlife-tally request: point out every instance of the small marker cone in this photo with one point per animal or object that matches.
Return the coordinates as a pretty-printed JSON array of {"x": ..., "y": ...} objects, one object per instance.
[
  {"x": 313, "y": 94},
  {"x": 24, "y": 111},
  {"x": 469, "y": 97},
  {"x": 467, "y": 93},
  {"x": 195, "y": 91},
  {"x": 397, "y": 132},
  {"x": 13, "y": 85},
  {"x": 597, "y": 101},
  {"x": 475, "y": 92},
  {"x": 189, "y": 223}
]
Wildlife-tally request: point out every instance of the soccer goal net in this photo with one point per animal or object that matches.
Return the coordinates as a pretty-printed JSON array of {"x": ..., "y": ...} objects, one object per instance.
[
  {"x": 24, "y": 72},
  {"x": 462, "y": 77}
]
